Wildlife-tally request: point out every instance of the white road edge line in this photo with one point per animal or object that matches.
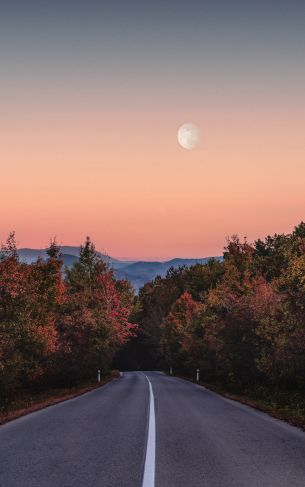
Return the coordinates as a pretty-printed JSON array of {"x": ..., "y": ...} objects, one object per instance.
[{"x": 150, "y": 459}]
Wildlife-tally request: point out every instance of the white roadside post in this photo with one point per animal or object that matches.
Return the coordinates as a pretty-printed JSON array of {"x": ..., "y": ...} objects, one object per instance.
[
  {"x": 197, "y": 375},
  {"x": 98, "y": 375},
  {"x": 171, "y": 371}
]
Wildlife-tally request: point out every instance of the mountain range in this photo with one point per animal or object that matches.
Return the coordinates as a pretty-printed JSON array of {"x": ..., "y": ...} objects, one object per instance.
[{"x": 137, "y": 272}]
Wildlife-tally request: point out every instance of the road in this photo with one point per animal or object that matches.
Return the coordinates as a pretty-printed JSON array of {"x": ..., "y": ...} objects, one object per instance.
[{"x": 110, "y": 437}]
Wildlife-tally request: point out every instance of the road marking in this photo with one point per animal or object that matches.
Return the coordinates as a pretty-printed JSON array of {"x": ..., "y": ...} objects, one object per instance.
[{"x": 149, "y": 467}]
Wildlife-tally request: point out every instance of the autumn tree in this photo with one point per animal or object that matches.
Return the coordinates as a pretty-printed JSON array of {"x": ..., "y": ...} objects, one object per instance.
[
  {"x": 177, "y": 330},
  {"x": 27, "y": 322},
  {"x": 94, "y": 321},
  {"x": 58, "y": 326}
]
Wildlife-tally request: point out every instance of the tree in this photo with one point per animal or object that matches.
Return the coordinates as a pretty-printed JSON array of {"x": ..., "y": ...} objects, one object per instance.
[
  {"x": 56, "y": 330},
  {"x": 26, "y": 318},
  {"x": 94, "y": 322},
  {"x": 177, "y": 329}
]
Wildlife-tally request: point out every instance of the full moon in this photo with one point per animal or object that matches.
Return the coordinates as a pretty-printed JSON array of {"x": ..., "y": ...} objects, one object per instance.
[{"x": 188, "y": 136}]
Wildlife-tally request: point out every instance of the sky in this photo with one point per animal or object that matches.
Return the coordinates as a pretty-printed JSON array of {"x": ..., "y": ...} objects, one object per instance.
[{"x": 92, "y": 94}]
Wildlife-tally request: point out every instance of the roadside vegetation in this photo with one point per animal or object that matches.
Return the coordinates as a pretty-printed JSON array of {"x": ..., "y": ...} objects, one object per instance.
[
  {"x": 58, "y": 326},
  {"x": 240, "y": 321}
]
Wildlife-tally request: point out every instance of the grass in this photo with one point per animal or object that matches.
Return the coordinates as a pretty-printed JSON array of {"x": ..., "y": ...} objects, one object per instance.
[
  {"x": 28, "y": 403},
  {"x": 288, "y": 406}
]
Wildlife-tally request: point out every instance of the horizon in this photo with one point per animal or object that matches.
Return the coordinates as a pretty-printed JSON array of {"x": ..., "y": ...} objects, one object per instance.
[{"x": 148, "y": 258}]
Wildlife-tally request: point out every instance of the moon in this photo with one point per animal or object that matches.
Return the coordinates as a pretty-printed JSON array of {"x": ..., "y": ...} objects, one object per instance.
[{"x": 188, "y": 136}]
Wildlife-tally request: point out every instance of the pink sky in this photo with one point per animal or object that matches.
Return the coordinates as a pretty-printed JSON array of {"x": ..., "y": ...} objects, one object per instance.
[
  {"x": 90, "y": 107},
  {"x": 124, "y": 180}
]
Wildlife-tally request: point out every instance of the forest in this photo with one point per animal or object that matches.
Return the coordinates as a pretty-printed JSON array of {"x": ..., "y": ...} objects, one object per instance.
[
  {"x": 241, "y": 320},
  {"x": 58, "y": 326}
]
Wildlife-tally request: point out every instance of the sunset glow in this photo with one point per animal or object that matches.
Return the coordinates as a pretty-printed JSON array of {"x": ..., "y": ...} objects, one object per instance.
[{"x": 89, "y": 127}]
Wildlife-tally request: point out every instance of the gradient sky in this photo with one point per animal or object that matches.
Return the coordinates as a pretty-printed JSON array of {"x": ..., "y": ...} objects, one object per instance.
[{"x": 92, "y": 94}]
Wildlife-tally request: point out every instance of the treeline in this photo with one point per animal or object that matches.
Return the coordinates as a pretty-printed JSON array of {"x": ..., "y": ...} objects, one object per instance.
[
  {"x": 58, "y": 326},
  {"x": 241, "y": 321}
]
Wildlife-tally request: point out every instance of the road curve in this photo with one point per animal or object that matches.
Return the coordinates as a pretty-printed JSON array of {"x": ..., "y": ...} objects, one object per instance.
[{"x": 201, "y": 439}]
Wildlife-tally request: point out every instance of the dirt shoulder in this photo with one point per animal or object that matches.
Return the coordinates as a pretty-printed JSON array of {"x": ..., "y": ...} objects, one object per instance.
[
  {"x": 49, "y": 398},
  {"x": 286, "y": 406}
]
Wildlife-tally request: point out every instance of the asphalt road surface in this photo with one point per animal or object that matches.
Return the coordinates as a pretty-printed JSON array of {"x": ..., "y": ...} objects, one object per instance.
[{"x": 148, "y": 429}]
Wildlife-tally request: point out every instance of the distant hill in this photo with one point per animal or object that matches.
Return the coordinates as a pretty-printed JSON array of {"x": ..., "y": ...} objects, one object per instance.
[
  {"x": 137, "y": 272},
  {"x": 141, "y": 272},
  {"x": 69, "y": 254}
]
